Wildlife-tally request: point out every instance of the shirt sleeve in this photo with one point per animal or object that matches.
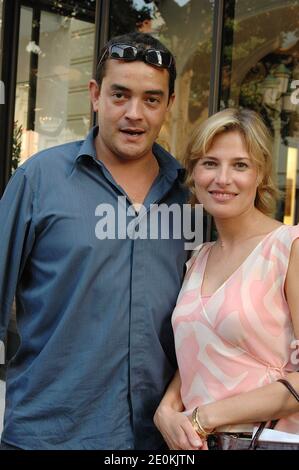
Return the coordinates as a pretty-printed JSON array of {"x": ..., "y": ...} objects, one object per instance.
[{"x": 16, "y": 239}]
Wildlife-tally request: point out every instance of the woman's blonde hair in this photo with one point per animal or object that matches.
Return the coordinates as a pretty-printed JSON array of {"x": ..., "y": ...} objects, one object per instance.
[{"x": 258, "y": 142}]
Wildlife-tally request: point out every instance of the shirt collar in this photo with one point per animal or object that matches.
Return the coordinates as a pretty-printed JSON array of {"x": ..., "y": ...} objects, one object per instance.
[
  {"x": 169, "y": 166},
  {"x": 87, "y": 148}
]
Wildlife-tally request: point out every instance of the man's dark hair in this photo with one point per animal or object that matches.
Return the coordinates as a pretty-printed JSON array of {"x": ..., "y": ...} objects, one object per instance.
[{"x": 140, "y": 40}]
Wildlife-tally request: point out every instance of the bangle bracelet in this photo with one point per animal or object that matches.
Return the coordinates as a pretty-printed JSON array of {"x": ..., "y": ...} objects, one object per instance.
[{"x": 203, "y": 433}]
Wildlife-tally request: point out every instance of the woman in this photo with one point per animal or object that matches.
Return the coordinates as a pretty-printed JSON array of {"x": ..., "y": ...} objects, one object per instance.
[{"x": 237, "y": 315}]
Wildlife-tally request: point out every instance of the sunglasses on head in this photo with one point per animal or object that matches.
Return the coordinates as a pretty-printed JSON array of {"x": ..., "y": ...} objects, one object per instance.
[{"x": 127, "y": 52}]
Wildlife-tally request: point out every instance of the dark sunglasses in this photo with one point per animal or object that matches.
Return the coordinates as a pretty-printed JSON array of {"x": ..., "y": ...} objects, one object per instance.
[{"x": 129, "y": 53}]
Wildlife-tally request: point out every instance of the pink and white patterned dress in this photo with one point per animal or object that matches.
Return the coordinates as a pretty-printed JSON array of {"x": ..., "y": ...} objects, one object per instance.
[{"x": 241, "y": 337}]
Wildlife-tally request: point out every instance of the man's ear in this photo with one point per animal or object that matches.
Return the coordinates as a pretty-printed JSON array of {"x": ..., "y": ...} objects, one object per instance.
[
  {"x": 170, "y": 101},
  {"x": 94, "y": 93}
]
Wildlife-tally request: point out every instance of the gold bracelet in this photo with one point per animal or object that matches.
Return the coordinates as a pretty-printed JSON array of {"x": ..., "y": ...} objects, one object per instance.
[{"x": 203, "y": 433}]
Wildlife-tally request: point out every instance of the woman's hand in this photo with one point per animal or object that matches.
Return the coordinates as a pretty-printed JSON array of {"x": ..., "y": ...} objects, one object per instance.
[{"x": 177, "y": 430}]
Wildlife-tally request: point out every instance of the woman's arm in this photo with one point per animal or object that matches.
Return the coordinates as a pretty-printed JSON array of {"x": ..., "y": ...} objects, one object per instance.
[
  {"x": 291, "y": 287},
  {"x": 270, "y": 401},
  {"x": 174, "y": 426}
]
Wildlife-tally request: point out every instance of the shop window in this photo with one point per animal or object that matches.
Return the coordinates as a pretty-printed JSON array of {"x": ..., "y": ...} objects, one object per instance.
[
  {"x": 260, "y": 70},
  {"x": 185, "y": 27},
  {"x": 55, "y": 59}
]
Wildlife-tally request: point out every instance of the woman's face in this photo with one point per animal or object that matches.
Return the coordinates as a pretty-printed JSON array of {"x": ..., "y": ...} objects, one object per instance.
[{"x": 226, "y": 178}]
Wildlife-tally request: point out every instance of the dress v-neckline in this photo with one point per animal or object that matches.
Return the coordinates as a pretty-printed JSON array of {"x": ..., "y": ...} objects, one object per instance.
[{"x": 206, "y": 256}]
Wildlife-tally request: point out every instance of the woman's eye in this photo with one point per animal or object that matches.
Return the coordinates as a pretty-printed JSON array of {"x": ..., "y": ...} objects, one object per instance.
[
  {"x": 209, "y": 163},
  {"x": 241, "y": 165}
]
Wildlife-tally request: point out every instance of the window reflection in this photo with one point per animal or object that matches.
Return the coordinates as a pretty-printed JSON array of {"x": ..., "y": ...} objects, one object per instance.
[
  {"x": 54, "y": 66},
  {"x": 260, "y": 67},
  {"x": 185, "y": 27}
]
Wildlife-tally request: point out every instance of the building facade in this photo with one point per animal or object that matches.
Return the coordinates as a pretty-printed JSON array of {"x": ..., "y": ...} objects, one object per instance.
[{"x": 229, "y": 53}]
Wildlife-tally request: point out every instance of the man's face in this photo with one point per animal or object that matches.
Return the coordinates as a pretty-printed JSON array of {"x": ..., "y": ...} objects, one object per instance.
[{"x": 131, "y": 104}]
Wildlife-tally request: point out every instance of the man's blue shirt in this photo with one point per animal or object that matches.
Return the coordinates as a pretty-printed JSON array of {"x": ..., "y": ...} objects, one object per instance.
[{"x": 96, "y": 350}]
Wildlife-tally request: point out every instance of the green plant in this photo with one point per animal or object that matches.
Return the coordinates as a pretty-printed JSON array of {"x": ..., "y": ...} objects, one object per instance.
[{"x": 16, "y": 146}]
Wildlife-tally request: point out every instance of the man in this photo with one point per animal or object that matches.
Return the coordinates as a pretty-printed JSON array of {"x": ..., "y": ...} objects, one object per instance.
[{"x": 93, "y": 313}]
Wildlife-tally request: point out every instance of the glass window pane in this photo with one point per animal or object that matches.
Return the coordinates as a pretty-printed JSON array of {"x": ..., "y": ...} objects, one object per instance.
[
  {"x": 260, "y": 66},
  {"x": 54, "y": 66},
  {"x": 22, "y": 87},
  {"x": 185, "y": 27}
]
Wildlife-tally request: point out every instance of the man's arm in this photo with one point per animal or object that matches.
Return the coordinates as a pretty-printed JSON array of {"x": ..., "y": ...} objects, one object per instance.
[{"x": 16, "y": 239}]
